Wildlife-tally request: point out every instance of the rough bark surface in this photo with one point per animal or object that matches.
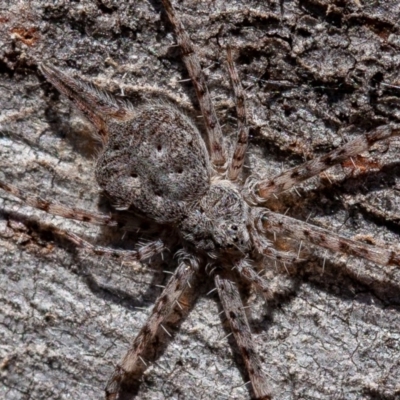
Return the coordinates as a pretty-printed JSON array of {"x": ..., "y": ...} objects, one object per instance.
[{"x": 317, "y": 73}]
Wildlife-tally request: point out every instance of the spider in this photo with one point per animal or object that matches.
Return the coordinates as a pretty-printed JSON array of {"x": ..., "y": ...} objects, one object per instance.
[{"x": 155, "y": 164}]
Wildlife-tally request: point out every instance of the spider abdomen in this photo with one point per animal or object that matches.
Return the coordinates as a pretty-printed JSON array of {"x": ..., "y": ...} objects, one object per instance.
[{"x": 155, "y": 162}]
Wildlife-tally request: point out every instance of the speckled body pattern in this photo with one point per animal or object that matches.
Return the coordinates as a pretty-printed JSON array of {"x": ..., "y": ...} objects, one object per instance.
[
  {"x": 143, "y": 164},
  {"x": 155, "y": 164}
]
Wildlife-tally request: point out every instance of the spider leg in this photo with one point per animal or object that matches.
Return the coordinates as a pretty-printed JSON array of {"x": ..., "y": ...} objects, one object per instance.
[
  {"x": 262, "y": 190},
  {"x": 96, "y": 105},
  {"x": 301, "y": 230},
  {"x": 234, "y": 311},
  {"x": 126, "y": 222},
  {"x": 250, "y": 275},
  {"x": 266, "y": 248},
  {"x": 55, "y": 208},
  {"x": 142, "y": 348},
  {"x": 144, "y": 252},
  {"x": 236, "y": 163},
  {"x": 214, "y": 133}
]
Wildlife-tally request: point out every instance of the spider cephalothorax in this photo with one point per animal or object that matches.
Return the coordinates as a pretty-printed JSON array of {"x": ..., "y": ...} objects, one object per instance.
[{"x": 218, "y": 223}]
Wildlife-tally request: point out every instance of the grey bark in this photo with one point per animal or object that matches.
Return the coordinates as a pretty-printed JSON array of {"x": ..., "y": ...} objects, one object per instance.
[{"x": 316, "y": 75}]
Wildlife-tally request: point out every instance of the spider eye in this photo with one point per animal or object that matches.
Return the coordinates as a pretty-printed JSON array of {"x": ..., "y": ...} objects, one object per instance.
[{"x": 234, "y": 227}]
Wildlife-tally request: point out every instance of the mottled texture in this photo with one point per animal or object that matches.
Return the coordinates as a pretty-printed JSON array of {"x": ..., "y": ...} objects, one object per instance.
[
  {"x": 155, "y": 162},
  {"x": 66, "y": 318}
]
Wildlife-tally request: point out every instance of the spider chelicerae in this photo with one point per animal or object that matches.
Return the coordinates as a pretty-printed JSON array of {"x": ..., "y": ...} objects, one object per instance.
[{"x": 156, "y": 164}]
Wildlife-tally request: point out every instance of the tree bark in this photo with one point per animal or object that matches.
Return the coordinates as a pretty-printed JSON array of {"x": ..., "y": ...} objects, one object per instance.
[{"x": 316, "y": 74}]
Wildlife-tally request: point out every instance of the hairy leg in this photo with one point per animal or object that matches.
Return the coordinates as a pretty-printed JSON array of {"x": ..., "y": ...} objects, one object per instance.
[
  {"x": 126, "y": 222},
  {"x": 55, "y": 208},
  {"x": 134, "y": 362},
  {"x": 144, "y": 252},
  {"x": 96, "y": 105},
  {"x": 301, "y": 230},
  {"x": 266, "y": 248},
  {"x": 236, "y": 163},
  {"x": 264, "y": 189},
  {"x": 233, "y": 307},
  {"x": 214, "y": 133},
  {"x": 249, "y": 275}
]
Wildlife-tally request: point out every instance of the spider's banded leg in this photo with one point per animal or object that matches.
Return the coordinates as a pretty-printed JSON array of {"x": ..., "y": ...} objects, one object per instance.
[
  {"x": 266, "y": 248},
  {"x": 234, "y": 311},
  {"x": 142, "y": 253},
  {"x": 264, "y": 189},
  {"x": 248, "y": 273},
  {"x": 55, "y": 208},
  {"x": 301, "y": 230},
  {"x": 134, "y": 362},
  {"x": 95, "y": 104},
  {"x": 214, "y": 133},
  {"x": 236, "y": 163}
]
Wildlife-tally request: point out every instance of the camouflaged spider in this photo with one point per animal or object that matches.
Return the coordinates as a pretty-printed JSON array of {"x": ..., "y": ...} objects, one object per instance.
[{"x": 155, "y": 163}]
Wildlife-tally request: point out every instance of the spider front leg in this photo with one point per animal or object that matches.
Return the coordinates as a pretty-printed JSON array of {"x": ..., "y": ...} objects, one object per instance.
[
  {"x": 234, "y": 311},
  {"x": 248, "y": 273},
  {"x": 264, "y": 189},
  {"x": 142, "y": 349},
  {"x": 300, "y": 230}
]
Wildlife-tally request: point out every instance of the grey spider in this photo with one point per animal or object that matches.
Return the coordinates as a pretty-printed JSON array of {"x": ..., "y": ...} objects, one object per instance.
[{"x": 155, "y": 163}]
